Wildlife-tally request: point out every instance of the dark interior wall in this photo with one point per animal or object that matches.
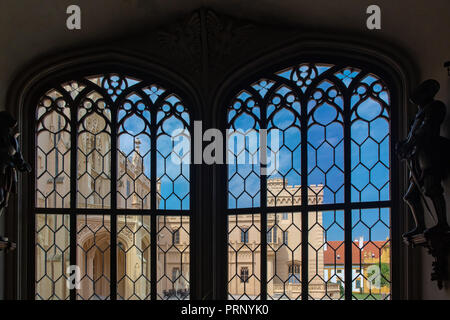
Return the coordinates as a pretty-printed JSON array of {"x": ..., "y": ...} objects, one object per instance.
[
  {"x": 2, "y": 261},
  {"x": 30, "y": 30}
]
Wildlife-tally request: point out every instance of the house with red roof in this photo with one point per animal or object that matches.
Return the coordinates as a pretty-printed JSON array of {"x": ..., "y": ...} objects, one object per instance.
[{"x": 367, "y": 260}]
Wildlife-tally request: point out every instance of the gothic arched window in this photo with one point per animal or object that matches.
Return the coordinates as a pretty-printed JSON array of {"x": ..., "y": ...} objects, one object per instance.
[
  {"x": 111, "y": 193},
  {"x": 308, "y": 153}
]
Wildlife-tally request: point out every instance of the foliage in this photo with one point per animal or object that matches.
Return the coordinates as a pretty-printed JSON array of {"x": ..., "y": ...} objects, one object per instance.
[{"x": 384, "y": 275}]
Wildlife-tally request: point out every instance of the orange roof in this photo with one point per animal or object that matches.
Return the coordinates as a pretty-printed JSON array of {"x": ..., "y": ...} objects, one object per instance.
[{"x": 335, "y": 254}]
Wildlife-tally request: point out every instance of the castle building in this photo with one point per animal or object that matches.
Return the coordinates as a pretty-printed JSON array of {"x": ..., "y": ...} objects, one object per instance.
[{"x": 284, "y": 253}]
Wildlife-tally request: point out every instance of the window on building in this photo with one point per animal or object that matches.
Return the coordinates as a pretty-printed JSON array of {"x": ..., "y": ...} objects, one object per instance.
[
  {"x": 244, "y": 274},
  {"x": 128, "y": 189},
  {"x": 175, "y": 274},
  {"x": 358, "y": 284},
  {"x": 325, "y": 175},
  {"x": 294, "y": 273},
  {"x": 109, "y": 135},
  {"x": 272, "y": 235},
  {"x": 285, "y": 237},
  {"x": 244, "y": 235},
  {"x": 176, "y": 237}
]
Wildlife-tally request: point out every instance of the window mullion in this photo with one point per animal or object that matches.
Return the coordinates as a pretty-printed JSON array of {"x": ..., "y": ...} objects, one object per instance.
[
  {"x": 263, "y": 190},
  {"x": 73, "y": 189},
  {"x": 347, "y": 198},
  {"x": 153, "y": 229},
  {"x": 113, "y": 215},
  {"x": 304, "y": 196}
]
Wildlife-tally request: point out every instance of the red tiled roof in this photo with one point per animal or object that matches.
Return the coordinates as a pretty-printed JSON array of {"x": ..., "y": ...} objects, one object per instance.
[{"x": 335, "y": 254}]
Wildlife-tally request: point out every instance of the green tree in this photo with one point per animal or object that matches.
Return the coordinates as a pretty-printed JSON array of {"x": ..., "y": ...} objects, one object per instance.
[{"x": 385, "y": 275}]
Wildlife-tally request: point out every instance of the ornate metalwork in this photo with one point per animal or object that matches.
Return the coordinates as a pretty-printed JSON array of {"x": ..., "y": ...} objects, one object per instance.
[
  {"x": 326, "y": 142},
  {"x": 53, "y": 144},
  {"x": 94, "y": 152},
  {"x": 134, "y": 149},
  {"x": 243, "y": 118},
  {"x": 110, "y": 131},
  {"x": 283, "y": 116},
  {"x": 370, "y": 140},
  {"x": 172, "y": 165},
  {"x": 333, "y": 127}
]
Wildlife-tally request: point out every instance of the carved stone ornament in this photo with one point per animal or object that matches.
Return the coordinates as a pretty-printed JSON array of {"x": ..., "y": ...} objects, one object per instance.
[
  {"x": 427, "y": 156},
  {"x": 183, "y": 41},
  {"x": 11, "y": 162},
  {"x": 206, "y": 40}
]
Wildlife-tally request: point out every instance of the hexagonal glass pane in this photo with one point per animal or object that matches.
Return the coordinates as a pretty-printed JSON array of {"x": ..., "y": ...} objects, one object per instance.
[
  {"x": 133, "y": 257},
  {"x": 326, "y": 255},
  {"x": 173, "y": 156},
  {"x": 53, "y": 152},
  {"x": 94, "y": 153},
  {"x": 371, "y": 254},
  {"x": 52, "y": 256},
  {"x": 284, "y": 256},
  {"x": 93, "y": 256},
  {"x": 244, "y": 254},
  {"x": 173, "y": 256}
]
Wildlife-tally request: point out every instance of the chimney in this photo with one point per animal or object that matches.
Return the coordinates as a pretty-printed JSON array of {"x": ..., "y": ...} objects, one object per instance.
[{"x": 361, "y": 242}]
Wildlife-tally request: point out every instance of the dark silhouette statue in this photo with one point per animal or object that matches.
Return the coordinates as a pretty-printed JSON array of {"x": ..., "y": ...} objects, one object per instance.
[
  {"x": 427, "y": 156},
  {"x": 11, "y": 159}
]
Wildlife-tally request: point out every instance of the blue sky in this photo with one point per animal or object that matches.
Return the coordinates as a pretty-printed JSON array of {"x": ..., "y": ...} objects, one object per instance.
[
  {"x": 369, "y": 159},
  {"x": 174, "y": 178}
]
